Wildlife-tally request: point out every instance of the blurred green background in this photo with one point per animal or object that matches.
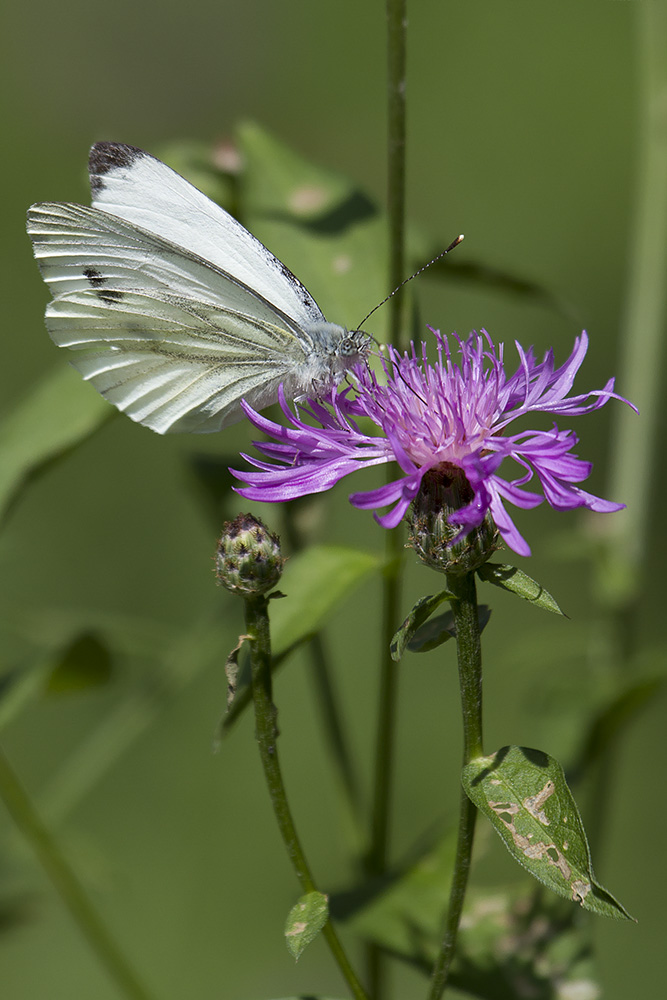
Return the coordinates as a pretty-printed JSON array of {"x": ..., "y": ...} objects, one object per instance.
[{"x": 523, "y": 126}]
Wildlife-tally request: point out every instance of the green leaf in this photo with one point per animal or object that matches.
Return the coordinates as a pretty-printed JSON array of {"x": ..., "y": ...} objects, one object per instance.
[
  {"x": 524, "y": 794},
  {"x": 421, "y": 611},
  {"x": 440, "y": 628},
  {"x": 197, "y": 161},
  {"x": 60, "y": 412},
  {"x": 85, "y": 663},
  {"x": 517, "y": 582},
  {"x": 323, "y": 228},
  {"x": 406, "y": 917},
  {"x": 305, "y": 921},
  {"x": 315, "y": 581},
  {"x": 485, "y": 276}
]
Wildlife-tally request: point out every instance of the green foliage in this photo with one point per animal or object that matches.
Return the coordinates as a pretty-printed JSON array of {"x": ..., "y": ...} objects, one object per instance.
[
  {"x": 524, "y": 794},
  {"x": 305, "y": 921},
  {"x": 326, "y": 230},
  {"x": 421, "y": 611},
  {"x": 517, "y": 582},
  {"x": 441, "y": 628},
  {"x": 60, "y": 412},
  {"x": 314, "y": 582}
]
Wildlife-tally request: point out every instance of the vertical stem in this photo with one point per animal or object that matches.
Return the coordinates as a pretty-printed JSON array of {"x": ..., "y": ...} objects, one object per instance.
[
  {"x": 469, "y": 654},
  {"x": 384, "y": 747},
  {"x": 622, "y": 562},
  {"x": 67, "y": 884},
  {"x": 642, "y": 348},
  {"x": 396, "y": 49},
  {"x": 257, "y": 627}
]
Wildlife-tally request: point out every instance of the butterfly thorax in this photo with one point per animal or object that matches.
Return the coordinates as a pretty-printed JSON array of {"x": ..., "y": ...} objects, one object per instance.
[{"x": 335, "y": 350}]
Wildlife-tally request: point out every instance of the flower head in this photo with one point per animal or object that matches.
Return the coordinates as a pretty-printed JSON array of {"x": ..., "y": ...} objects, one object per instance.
[{"x": 457, "y": 412}]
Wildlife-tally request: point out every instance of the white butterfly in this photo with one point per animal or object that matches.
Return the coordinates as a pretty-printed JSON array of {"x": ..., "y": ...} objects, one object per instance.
[{"x": 174, "y": 311}]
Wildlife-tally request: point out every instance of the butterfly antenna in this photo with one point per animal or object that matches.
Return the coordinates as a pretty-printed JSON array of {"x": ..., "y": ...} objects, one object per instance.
[{"x": 451, "y": 246}]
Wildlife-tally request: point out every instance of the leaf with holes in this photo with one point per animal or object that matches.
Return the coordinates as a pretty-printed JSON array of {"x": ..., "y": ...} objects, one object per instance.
[
  {"x": 524, "y": 794},
  {"x": 305, "y": 921}
]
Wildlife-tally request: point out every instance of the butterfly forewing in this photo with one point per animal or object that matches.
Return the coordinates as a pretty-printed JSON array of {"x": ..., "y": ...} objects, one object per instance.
[
  {"x": 171, "y": 309},
  {"x": 130, "y": 183}
]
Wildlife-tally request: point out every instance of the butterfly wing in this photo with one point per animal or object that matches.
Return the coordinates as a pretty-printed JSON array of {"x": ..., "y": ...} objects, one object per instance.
[
  {"x": 168, "y": 338},
  {"x": 133, "y": 185}
]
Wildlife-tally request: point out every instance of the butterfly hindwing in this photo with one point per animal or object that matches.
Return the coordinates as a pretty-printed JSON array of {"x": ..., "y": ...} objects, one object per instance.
[{"x": 171, "y": 363}]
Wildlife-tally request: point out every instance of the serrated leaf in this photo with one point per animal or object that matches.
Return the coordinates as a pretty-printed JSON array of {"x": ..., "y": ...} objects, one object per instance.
[
  {"x": 58, "y": 413},
  {"x": 305, "y": 921},
  {"x": 524, "y": 794},
  {"x": 440, "y": 628},
  {"x": 420, "y": 612},
  {"x": 515, "y": 581},
  {"x": 85, "y": 663}
]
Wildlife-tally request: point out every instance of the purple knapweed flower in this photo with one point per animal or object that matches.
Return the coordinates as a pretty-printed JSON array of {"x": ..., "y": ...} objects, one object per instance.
[{"x": 454, "y": 412}]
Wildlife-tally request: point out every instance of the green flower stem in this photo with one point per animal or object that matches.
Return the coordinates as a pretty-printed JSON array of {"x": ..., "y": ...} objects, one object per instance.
[
  {"x": 67, "y": 884},
  {"x": 257, "y": 628},
  {"x": 396, "y": 51},
  {"x": 376, "y": 858},
  {"x": 469, "y": 654}
]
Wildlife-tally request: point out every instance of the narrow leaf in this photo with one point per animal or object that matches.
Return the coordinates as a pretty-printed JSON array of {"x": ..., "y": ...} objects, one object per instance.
[
  {"x": 524, "y": 794},
  {"x": 421, "y": 611},
  {"x": 305, "y": 921},
  {"x": 59, "y": 413},
  {"x": 232, "y": 669},
  {"x": 517, "y": 582},
  {"x": 440, "y": 628}
]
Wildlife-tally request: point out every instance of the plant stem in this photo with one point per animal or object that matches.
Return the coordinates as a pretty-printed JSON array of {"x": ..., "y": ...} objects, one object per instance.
[
  {"x": 469, "y": 654},
  {"x": 376, "y": 858},
  {"x": 67, "y": 884},
  {"x": 642, "y": 343},
  {"x": 257, "y": 628},
  {"x": 396, "y": 51}
]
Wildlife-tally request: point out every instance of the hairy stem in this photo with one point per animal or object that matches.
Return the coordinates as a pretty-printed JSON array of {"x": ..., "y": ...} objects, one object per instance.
[
  {"x": 257, "y": 627},
  {"x": 469, "y": 654}
]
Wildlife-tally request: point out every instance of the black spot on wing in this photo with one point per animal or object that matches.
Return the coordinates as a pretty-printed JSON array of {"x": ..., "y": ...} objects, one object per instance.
[
  {"x": 97, "y": 281},
  {"x": 106, "y": 156}
]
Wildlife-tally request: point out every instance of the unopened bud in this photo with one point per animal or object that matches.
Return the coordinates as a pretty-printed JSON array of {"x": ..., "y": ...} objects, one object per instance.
[{"x": 248, "y": 560}]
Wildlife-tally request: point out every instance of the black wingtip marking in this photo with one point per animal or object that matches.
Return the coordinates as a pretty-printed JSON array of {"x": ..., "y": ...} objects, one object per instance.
[
  {"x": 106, "y": 156},
  {"x": 97, "y": 282}
]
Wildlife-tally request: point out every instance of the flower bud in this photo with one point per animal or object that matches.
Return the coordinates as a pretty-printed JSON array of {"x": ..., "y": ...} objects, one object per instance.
[
  {"x": 248, "y": 559},
  {"x": 445, "y": 490}
]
